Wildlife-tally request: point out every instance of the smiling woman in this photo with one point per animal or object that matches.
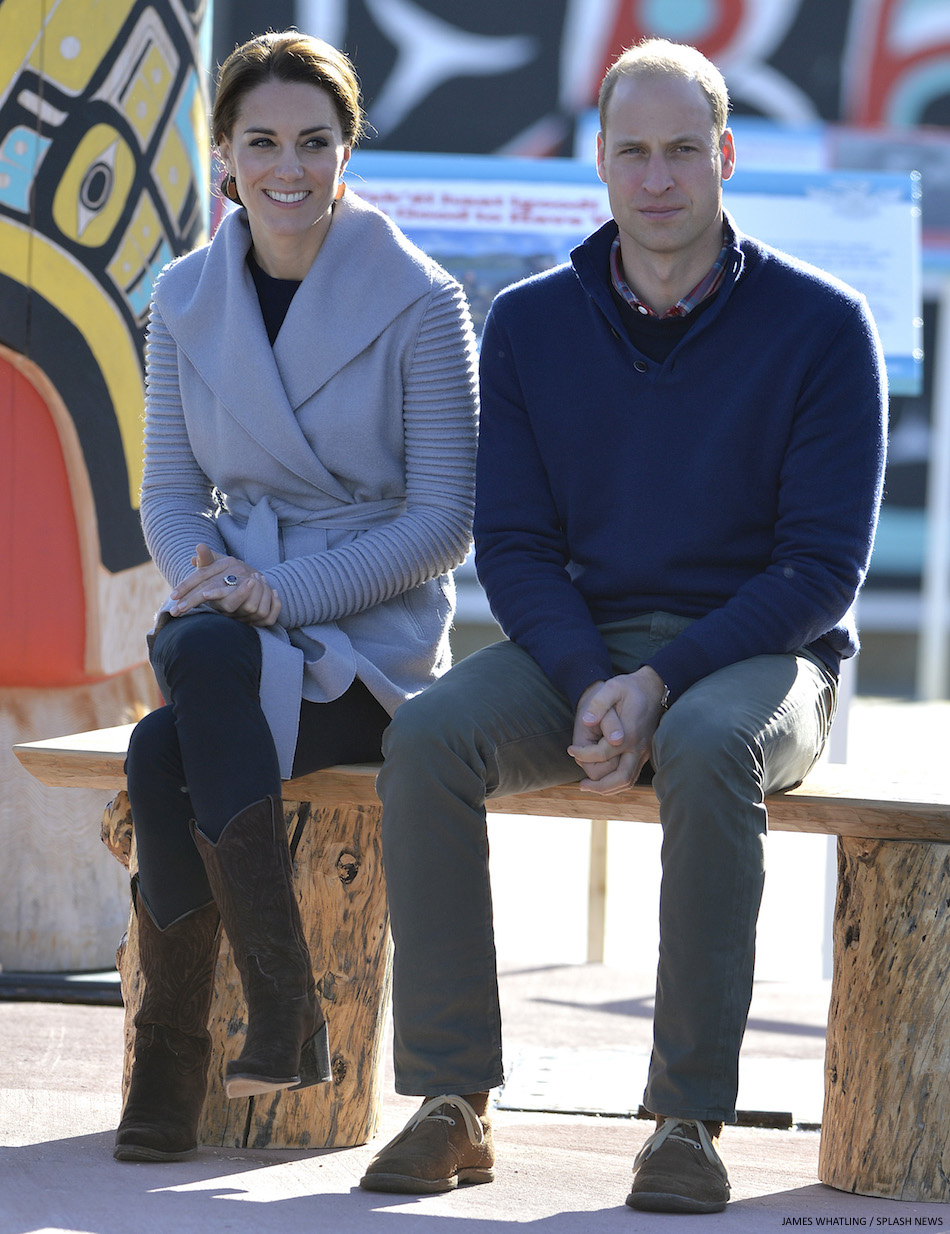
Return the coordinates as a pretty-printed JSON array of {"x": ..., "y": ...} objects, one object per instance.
[
  {"x": 286, "y": 153},
  {"x": 308, "y": 490}
]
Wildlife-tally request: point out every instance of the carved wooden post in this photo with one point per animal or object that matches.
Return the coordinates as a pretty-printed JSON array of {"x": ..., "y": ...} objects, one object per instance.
[
  {"x": 886, "y": 1125},
  {"x": 342, "y": 896},
  {"x": 103, "y": 117}
]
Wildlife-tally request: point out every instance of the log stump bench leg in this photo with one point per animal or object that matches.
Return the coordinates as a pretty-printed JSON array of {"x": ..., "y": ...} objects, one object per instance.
[
  {"x": 342, "y": 896},
  {"x": 886, "y": 1125}
]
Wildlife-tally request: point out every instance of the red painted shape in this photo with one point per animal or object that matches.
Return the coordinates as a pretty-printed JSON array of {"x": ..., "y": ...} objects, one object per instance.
[
  {"x": 878, "y": 68},
  {"x": 43, "y": 615},
  {"x": 629, "y": 27}
]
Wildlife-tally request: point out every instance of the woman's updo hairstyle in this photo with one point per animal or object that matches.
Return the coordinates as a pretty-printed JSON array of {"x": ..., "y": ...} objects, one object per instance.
[{"x": 287, "y": 56}]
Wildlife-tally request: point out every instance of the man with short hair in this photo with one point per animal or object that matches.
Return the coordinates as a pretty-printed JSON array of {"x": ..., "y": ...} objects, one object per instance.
[{"x": 680, "y": 466}]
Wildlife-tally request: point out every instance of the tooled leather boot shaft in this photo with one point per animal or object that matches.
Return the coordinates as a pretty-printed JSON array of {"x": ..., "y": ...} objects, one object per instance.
[
  {"x": 250, "y": 873},
  {"x": 172, "y": 1043}
]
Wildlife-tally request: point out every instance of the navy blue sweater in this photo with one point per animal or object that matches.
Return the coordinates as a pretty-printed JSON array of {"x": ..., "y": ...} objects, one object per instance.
[{"x": 738, "y": 482}]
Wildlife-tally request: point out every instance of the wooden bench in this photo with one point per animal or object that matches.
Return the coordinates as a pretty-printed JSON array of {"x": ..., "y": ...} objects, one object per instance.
[{"x": 885, "y": 1128}]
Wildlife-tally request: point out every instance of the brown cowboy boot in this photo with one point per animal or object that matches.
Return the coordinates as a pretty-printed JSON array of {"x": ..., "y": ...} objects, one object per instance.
[
  {"x": 251, "y": 878},
  {"x": 172, "y": 1042}
]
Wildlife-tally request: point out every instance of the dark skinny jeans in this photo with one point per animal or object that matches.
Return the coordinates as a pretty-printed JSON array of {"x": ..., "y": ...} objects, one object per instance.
[{"x": 208, "y": 754}]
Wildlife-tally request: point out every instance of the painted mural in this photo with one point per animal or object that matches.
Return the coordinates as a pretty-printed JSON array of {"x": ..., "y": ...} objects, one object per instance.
[
  {"x": 103, "y": 179},
  {"x": 496, "y": 77},
  {"x": 493, "y": 76},
  {"x": 896, "y": 66}
]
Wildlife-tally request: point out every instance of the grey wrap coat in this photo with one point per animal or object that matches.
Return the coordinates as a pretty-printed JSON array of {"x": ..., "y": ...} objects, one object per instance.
[{"x": 340, "y": 462}]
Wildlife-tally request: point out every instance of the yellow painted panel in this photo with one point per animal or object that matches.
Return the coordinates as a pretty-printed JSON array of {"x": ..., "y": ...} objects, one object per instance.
[
  {"x": 18, "y": 35},
  {"x": 172, "y": 171},
  {"x": 77, "y": 35},
  {"x": 148, "y": 92},
  {"x": 138, "y": 244}
]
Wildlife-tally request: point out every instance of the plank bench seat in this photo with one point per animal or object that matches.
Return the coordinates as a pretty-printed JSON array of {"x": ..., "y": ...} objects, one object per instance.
[
  {"x": 835, "y": 799},
  {"x": 881, "y": 1135}
]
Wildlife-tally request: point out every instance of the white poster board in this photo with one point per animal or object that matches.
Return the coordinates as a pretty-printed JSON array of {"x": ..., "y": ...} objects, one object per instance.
[{"x": 862, "y": 228}]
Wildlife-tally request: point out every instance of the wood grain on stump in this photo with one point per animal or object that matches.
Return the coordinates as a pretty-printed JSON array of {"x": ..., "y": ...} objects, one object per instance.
[
  {"x": 886, "y": 1125},
  {"x": 342, "y": 896}
]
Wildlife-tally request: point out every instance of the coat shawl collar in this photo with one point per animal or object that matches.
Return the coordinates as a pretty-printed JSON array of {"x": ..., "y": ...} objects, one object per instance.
[{"x": 364, "y": 276}]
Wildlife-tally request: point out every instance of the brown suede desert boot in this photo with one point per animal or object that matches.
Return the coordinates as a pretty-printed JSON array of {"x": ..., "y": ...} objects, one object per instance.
[
  {"x": 444, "y": 1143},
  {"x": 679, "y": 1171}
]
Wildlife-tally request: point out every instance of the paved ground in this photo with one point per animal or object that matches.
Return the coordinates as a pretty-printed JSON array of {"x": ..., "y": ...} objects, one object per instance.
[
  {"x": 558, "y": 1173},
  {"x": 575, "y": 1035}
]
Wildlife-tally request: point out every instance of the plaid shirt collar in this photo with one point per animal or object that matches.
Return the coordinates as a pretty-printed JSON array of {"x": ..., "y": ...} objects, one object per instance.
[{"x": 708, "y": 285}]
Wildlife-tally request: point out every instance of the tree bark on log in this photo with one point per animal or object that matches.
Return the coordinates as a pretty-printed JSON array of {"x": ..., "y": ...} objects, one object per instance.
[
  {"x": 886, "y": 1125},
  {"x": 342, "y": 896}
]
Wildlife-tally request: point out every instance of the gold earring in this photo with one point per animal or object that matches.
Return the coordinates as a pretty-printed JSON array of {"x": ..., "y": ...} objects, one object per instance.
[{"x": 229, "y": 189}]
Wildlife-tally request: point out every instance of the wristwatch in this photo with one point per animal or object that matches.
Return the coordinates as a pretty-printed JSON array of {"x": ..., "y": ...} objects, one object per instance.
[{"x": 665, "y": 700}]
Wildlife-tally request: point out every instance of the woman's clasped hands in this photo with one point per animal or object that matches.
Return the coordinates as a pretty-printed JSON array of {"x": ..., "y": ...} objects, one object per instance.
[{"x": 229, "y": 585}]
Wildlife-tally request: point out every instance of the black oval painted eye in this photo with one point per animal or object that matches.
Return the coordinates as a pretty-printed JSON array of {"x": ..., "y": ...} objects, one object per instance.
[{"x": 96, "y": 186}]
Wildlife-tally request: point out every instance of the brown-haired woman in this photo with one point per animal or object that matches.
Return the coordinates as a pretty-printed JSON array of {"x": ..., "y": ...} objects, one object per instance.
[{"x": 310, "y": 438}]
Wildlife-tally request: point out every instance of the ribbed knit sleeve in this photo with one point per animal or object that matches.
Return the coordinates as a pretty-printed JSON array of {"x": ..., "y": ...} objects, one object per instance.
[
  {"x": 176, "y": 499},
  {"x": 433, "y": 535}
]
